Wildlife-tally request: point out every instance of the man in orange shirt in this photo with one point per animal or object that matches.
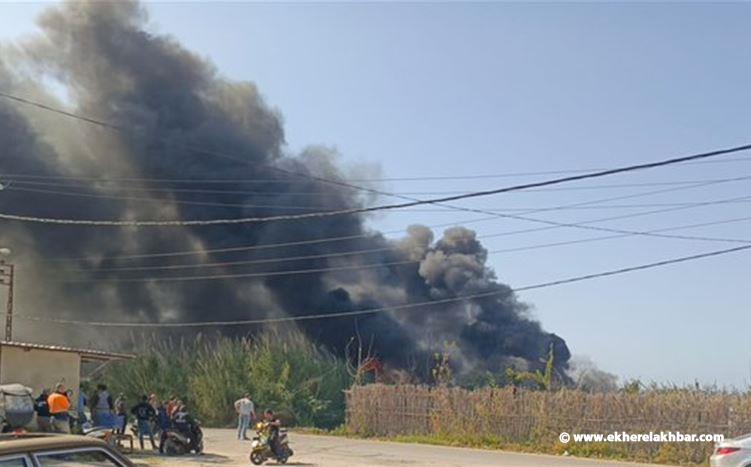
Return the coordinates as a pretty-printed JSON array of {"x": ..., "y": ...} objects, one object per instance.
[{"x": 59, "y": 405}]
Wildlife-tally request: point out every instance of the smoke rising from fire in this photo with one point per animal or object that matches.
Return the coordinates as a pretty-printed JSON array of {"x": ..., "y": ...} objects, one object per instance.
[{"x": 111, "y": 67}]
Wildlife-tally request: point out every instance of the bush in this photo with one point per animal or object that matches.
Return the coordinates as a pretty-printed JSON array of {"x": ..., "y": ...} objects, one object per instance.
[{"x": 283, "y": 371}]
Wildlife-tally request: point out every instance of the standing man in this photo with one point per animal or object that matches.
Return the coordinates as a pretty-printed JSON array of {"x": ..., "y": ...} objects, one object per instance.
[
  {"x": 121, "y": 413},
  {"x": 82, "y": 403},
  {"x": 245, "y": 412},
  {"x": 164, "y": 422},
  {"x": 42, "y": 408},
  {"x": 101, "y": 406},
  {"x": 144, "y": 413},
  {"x": 59, "y": 405}
]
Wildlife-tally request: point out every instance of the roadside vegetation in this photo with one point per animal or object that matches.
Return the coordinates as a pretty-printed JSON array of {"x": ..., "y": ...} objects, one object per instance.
[
  {"x": 514, "y": 410},
  {"x": 284, "y": 371}
]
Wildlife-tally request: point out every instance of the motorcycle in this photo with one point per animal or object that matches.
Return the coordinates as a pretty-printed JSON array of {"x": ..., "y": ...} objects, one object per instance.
[
  {"x": 260, "y": 448},
  {"x": 181, "y": 442}
]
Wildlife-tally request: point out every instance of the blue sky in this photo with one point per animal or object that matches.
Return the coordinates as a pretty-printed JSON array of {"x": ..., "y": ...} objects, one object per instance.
[{"x": 466, "y": 89}]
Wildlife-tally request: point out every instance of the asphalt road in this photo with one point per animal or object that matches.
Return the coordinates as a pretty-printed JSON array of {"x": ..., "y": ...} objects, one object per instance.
[{"x": 222, "y": 449}]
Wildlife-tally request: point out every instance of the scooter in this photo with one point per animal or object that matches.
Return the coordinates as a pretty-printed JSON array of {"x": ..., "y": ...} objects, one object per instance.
[
  {"x": 179, "y": 443},
  {"x": 260, "y": 449}
]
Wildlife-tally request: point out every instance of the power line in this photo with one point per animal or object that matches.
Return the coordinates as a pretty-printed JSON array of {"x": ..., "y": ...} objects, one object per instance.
[
  {"x": 318, "y": 208},
  {"x": 268, "y": 193},
  {"x": 412, "y": 202},
  {"x": 398, "y": 263},
  {"x": 492, "y": 216},
  {"x": 585, "y": 224},
  {"x": 406, "y": 306},
  {"x": 165, "y": 200},
  {"x": 621, "y": 234},
  {"x": 436, "y": 201},
  {"x": 16, "y": 176}
]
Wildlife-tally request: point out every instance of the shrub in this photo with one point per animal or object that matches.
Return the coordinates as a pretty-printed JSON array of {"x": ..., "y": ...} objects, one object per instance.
[{"x": 283, "y": 371}]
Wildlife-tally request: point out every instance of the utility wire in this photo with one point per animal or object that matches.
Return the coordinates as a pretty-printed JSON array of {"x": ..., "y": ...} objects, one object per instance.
[
  {"x": 168, "y": 200},
  {"x": 318, "y": 208},
  {"x": 406, "y": 306},
  {"x": 437, "y": 201},
  {"x": 492, "y": 216},
  {"x": 621, "y": 234},
  {"x": 370, "y": 265},
  {"x": 267, "y": 193},
  {"x": 414, "y": 202},
  {"x": 586, "y": 225},
  {"x": 18, "y": 176}
]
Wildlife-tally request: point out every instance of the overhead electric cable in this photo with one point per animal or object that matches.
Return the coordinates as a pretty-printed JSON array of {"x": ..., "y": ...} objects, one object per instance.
[
  {"x": 437, "y": 201},
  {"x": 489, "y": 210},
  {"x": 414, "y": 202},
  {"x": 492, "y": 216},
  {"x": 621, "y": 234},
  {"x": 277, "y": 193},
  {"x": 353, "y": 267},
  {"x": 392, "y": 308},
  {"x": 17, "y": 176}
]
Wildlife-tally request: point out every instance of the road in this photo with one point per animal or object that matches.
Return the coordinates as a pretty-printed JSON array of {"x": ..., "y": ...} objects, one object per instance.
[{"x": 222, "y": 449}]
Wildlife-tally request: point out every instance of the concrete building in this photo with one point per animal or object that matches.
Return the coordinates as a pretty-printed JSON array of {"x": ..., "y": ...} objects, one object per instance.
[{"x": 41, "y": 366}]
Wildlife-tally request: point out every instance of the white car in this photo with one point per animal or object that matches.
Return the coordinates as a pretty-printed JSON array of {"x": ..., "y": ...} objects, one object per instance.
[{"x": 735, "y": 452}]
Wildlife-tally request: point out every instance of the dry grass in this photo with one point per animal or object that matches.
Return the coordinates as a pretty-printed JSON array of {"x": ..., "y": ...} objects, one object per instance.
[{"x": 504, "y": 417}]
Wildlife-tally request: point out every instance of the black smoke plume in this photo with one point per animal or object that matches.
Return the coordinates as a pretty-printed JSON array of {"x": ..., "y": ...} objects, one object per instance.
[{"x": 100, "y": 59}]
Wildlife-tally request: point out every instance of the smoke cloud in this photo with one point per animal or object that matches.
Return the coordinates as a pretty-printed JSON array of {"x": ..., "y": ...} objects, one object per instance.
[{"x": 100, "y": 59}]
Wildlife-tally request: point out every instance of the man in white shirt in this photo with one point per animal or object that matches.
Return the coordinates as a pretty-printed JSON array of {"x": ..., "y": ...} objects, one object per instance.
[{"x": 245, "y": 413}]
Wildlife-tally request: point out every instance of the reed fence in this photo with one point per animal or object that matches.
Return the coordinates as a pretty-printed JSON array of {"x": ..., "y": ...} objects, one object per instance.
[{"x": 535, "y": 418}]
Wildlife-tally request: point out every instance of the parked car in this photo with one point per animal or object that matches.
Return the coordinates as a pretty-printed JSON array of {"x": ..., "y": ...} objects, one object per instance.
[
  {"x": 51, "y": 450},
  {"x": 733, "y": 452}
]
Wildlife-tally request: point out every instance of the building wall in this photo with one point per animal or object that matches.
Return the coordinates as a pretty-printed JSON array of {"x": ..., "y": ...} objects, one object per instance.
[{"x": 40, "y": 369}]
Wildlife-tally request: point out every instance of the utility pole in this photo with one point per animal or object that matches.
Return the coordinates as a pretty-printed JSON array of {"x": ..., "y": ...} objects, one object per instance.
[{"x": 6, "y": 277}]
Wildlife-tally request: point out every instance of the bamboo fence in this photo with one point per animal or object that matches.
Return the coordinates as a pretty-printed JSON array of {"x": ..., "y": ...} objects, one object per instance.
[{"x": 532, "y": 418}]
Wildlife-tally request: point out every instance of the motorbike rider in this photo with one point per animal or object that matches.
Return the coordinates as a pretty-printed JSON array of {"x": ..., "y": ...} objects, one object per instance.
[
  {"x": 183, "y": 422},
  {"x": 272, "y": 425}
]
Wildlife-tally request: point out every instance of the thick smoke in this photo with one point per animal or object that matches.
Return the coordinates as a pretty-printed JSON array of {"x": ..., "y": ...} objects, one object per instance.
[{"x": 103, "y": 59}]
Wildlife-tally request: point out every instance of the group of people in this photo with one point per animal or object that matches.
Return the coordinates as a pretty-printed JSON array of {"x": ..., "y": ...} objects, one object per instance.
[
  {"x": 152, "y": 415},
  {"x": 53, "y": 410}
]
